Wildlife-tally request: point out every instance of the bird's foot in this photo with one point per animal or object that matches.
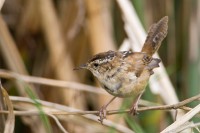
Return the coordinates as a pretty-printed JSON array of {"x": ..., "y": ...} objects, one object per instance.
[
  {"x": 102, "y": 114},
  {"x": 133, "y": 110}
]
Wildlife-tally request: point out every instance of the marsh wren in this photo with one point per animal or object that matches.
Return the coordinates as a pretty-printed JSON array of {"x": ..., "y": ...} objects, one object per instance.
[{"x": 126, "y": 73}]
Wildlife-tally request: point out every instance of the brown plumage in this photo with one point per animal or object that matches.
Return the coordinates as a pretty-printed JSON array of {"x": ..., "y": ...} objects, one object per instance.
[{"x": 126, "y": 73}]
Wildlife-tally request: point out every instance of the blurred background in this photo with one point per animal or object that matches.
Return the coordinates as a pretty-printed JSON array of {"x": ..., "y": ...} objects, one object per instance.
[{"x": 48, "y": 38}]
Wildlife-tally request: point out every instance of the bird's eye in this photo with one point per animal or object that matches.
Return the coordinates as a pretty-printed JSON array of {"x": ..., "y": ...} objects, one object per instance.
[{"x": 96, "y": 64}]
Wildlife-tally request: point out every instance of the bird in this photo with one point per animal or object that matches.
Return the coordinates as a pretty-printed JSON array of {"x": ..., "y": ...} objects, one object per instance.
[{"x": 126, "y": 73}]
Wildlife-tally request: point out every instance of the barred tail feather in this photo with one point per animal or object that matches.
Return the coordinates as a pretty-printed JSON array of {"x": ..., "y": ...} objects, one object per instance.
[{"x": 156, "y": 34}]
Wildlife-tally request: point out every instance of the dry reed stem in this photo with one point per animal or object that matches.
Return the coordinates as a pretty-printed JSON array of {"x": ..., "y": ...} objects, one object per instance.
[
  {"x": 178, "y": 105},
  {"x": 55, "y": 41},
  {"x": 51, "y": 82},
  {"x": 22, "y": 103},
  {"x": 14, "y": 61},
  {"x": 175, "y": 126},
  {"x": 72, "y": 20},
  {"x": 2, "y": 107},
  {"x": 11, "y": 54},
  {"x": 1, "y": 3},
  {"x": 60, "y": 60},
  {"x": 29, "y": 22},
  {"x": 99, "y": 25}
]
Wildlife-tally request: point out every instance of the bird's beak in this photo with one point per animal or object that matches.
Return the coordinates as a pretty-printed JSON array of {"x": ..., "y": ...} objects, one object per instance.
[{"x": 83, "y": 66}]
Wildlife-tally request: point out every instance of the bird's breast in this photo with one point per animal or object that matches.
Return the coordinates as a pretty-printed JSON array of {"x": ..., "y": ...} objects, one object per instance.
[{"x": 125, "y": 85}]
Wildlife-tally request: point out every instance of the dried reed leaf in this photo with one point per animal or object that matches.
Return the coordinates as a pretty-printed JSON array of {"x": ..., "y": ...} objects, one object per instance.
[
  {"x": 58, "y": 123},
  {"x": 180, "y": 121},
  {"x": 10, "y": 122}
]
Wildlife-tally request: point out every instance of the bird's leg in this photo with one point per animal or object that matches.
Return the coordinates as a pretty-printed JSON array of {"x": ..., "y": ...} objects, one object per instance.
[
  {"x": 134, "y": 107},
  {"x": 102, "y": 111}
]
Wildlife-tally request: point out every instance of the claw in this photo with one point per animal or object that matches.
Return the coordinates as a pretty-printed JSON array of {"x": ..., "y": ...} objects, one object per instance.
[
  {"x": 102, "y": 114},
  {"x": 133, "y": 110}
]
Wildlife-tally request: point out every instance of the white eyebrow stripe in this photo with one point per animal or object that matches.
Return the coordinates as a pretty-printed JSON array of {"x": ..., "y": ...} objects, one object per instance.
[{"x": 106, "y": 59}]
